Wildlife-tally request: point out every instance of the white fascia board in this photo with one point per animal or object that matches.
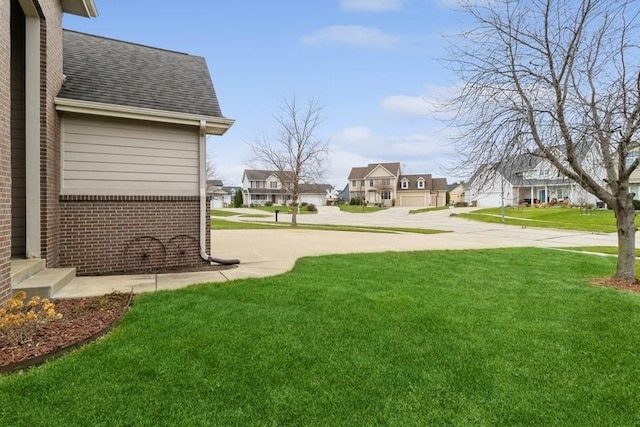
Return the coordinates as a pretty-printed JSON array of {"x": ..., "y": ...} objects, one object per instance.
[
  {"x": 85, "y": 8},
  {"x": 214, "y": 125}
]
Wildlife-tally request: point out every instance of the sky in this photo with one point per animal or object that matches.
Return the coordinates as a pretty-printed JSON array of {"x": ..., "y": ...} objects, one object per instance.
[{"x": 374, "y": 66}]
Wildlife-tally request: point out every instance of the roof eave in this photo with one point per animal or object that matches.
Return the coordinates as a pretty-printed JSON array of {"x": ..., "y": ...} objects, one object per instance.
[
  {"x": 214, "y": 125},
  {"x": 86, "y": 8}
]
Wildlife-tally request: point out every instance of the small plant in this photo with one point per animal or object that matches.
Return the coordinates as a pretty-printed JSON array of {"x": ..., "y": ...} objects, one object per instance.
[
  {"x": 311, "y": 207},
  {"x": 19, "y": 321},
  {"x": 268, "y": 203},
  {"x": 303, "y": 204}
]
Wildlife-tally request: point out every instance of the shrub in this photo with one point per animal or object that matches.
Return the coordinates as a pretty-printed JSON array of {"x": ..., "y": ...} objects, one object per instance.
[
  {"x": 238, "y": 199},
  {"x": 19, "y": 321},
  {"x": 311, "y": 207},
  {"x": 636, "y": 204},
  {"x": 268, "y": 203},
  {"x": 303, "y": 204}
]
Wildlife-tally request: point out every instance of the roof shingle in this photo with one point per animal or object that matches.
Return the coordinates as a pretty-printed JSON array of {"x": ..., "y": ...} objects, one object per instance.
[{"x": 108, "y": 71}]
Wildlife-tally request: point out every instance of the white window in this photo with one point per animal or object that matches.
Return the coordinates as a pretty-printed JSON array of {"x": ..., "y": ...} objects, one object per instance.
[
  {"x": 386, "y": 181},
  {"x": 386, "y": 195},
  {"x": 353, "y": 183},
  {"x": 274, "y": 184},
  {"x": 404, "y": 184},
  {"x": 421, "y": 183},
  {"x": 370, "y": 183}
]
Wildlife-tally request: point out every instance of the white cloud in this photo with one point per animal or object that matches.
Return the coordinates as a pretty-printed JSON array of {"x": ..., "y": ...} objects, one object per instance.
[
  {"x": 407, "y": 105},
  {"x": 353, "y": 134},
  {"x": 371, "y": 5},
  {"x": 355, "y": 35}
]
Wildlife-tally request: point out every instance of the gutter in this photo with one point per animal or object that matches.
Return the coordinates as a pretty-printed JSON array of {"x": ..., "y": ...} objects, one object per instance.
[{"x": 203, "y": 201}]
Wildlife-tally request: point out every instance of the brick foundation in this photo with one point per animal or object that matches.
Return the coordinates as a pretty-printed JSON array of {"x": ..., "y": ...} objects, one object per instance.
[{"x": 127, "y": 234}]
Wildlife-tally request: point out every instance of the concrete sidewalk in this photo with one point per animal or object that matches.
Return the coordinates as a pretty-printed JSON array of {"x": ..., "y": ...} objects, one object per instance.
[{"x": 269, "y": 252}]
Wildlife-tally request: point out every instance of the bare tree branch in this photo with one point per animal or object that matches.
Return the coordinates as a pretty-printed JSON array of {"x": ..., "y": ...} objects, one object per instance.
[
  {"x": 296, "y": 153},
  {"x": 557, "y": 79}
]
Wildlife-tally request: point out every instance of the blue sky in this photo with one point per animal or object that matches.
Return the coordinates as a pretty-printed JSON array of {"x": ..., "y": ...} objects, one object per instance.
[{"x": 373, "y": 64}]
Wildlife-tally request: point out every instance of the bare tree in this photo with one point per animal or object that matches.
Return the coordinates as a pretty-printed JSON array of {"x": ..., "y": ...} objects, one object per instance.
[
  {"x": 556, "y": 79},
  {"x": 296, "y": 154}
]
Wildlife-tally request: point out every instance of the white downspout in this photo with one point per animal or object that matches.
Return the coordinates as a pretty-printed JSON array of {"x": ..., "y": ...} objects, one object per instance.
[{"x": 203, "y": 199}]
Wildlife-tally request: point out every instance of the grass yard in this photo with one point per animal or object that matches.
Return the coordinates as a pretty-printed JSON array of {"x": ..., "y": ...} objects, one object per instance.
[
  {"x": 223, "y": 213},
  {"x": 594, "y": 220},
  {"x": 609, "y": 250},
  {"x": 431, "y": 209},
  {"x": 482, "y": 338},
  {"x": 359, "y": 208},
  {"x": 283, "y": 210},
  {"x": 221, "y": 224}
]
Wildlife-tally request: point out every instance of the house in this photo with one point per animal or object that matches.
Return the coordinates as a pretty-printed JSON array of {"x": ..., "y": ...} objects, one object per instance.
[
  {"x": 384, "y": 183},
  {"x": 221, "y": 196},
  {"x": 268, "y": 186},
  {"x": 529, "y": 178},
  {"x": 102, "y": 146},
  {"x": 456, "y": 193}
]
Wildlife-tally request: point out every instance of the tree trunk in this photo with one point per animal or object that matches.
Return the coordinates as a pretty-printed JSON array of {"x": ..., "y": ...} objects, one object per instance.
[
  {"x": 294, "y": 212},
  {"x": 625, "y": 221}
]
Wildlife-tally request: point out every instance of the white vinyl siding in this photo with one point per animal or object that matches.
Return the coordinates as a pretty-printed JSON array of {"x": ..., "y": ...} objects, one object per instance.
[{"x": 104, "y": 156}]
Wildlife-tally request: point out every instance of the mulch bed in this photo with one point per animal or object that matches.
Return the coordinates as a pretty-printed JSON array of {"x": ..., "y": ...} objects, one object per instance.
[
  {"x": 83, "y": 320},
  {"x": 619, "y": 284}
]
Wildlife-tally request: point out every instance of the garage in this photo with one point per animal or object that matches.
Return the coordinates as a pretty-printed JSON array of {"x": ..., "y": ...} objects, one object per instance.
[
  {"x": 406, "y": 200},
  {"x": 316, "y": 199}
]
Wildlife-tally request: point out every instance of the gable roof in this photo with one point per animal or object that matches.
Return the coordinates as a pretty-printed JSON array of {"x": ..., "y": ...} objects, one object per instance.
[
  {"x": 362, "y": 172},
  {"x": 108, "y": 71},
  {"x": 260, "y": 174}
]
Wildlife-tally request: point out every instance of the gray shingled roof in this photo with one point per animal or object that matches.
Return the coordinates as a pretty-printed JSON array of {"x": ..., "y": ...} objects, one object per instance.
[{"x": 104, "y": 70}]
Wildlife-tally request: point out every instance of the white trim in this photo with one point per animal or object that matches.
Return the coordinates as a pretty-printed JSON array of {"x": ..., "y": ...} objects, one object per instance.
[
  {"x": 214, "y": 125},
  {"x": 86, "y": 8},
  {"x": 32, "y": 137}
]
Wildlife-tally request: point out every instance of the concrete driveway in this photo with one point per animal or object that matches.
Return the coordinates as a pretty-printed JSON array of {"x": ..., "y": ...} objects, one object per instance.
[
  {"x": 269, "y": 252},
  {"x": 276, "y": 250}
]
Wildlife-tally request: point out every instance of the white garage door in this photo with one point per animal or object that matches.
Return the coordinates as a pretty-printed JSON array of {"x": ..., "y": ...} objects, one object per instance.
[
  {"x": 412, "y": 201},
  {"x": 316, "y": 200}
]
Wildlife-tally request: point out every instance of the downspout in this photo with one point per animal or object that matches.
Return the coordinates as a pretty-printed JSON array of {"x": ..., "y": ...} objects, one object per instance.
[{"x": 203, "y": 201}]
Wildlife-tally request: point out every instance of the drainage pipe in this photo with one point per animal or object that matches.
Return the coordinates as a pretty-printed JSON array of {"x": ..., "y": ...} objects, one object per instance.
[{"x": 203, "y": 201}]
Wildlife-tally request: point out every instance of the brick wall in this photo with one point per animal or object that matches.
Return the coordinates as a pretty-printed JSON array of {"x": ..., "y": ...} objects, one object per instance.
[
  {"x": 5, "y": 152},
  {"x": 117, "y": 234}
]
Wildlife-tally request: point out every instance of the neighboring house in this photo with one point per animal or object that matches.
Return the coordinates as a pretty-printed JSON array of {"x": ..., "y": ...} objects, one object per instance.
[
  {"x": 344, "y": 194},
  {"x": 528, "y": 178},
  {"x": 456, "y": 193},
  {"x": 384, "y": 183},
  {"x": 216, "y": 193},
  {"x": 106, "y": 140},
  {"x": 262, "y": 186},
  {"x": 227, "y": 200},
  {"x": 221, "y": 196}
]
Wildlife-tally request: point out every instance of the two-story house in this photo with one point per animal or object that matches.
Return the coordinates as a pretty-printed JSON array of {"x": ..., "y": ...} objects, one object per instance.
[
  {"x": 267, "y": 186},
  {"x": 384, "y": 183}
]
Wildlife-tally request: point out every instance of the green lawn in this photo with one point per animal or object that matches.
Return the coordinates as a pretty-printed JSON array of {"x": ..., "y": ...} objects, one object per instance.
[
  {"x": 431, "y": 209},
  {"x": 481, "y": 338},
  {"x": 610, "y": 250},
  {"x": 284, "y": 210},
  {"x": 359, "y": 208},
  {"x": 594, "y": 220},
  {"x": 221, "y": 224},
  {"x": 219, "y": 212}
]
